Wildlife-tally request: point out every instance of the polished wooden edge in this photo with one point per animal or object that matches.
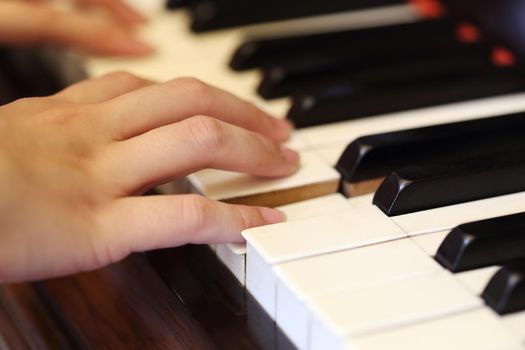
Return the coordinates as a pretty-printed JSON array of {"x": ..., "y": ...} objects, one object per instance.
[
  {"x": 287, "y": 196},
  {"x": 353, "y": 189}
]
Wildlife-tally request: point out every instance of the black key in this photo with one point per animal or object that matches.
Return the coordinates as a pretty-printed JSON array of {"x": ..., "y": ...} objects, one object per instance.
[
  {"x": 484, "y": 243},
  {"x": 175, "y": 4},
  {"x": 376, "y": 71},
  {"x": 375, "y": 156},
  {"x": 344, "y": 103},
  {"x": 505, "y": 292},
  {"x": 413, "y": 189},
  {"x": 215, "y": 14},
  {"x": 369, "y": 43}
]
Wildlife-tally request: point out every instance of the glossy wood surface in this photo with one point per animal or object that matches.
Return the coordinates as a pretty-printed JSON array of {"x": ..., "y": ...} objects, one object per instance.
[
  {"x": 121, "y": 307},
  {"x": 180, "y": 298}
]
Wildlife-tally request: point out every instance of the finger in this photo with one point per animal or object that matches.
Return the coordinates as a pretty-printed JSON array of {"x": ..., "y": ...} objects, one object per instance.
[
  {"x": 186, "y": 97},
  {"x": 176, "y": 150},
  {"x": 117, "y": 9},
  {"x": 102, "y": 89},
  {"x": 136, "y": 224},
  {"x": 44, "y": 24}
]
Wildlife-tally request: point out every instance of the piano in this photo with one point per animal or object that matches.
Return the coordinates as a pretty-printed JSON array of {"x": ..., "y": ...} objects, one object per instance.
[{"x": 405, "y": 222}]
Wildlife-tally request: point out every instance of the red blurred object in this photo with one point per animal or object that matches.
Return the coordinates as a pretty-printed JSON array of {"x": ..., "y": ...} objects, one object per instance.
[
  {"x": 468, "y": 33},
  {"x": 428, "y": 8},
  {"x": 503, "y": 57}
]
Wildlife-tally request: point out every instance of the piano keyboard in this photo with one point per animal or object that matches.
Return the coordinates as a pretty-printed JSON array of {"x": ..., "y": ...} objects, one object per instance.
[{"x": 342, "y": 274}]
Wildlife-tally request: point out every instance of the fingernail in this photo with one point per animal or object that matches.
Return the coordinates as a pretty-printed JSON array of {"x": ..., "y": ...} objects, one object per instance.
[
  {"x": 283, "y": 127},
  {"x": 290, "y": 156},
  {"x": 285, "y": 124},
  {"x": 272, "y": 216}
]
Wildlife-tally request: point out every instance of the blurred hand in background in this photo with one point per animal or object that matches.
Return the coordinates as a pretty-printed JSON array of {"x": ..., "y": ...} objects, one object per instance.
[{"x": 101, "y": 27}]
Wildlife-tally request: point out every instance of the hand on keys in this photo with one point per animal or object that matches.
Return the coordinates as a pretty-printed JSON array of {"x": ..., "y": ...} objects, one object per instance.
[{"x": 73, "y": 164}]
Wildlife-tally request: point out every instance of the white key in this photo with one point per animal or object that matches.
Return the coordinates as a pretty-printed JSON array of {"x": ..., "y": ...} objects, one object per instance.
[
  {"x": 430, "y": 242},
  {"x": 283, "y": 242},
  {"x": 362, "y": 201},
  {"x": 515, "y": 322},
  {"x": 223, "y": 185},
  {"x": 331, "y": 154},
  {"x": 147, "y": 7},
  {"x": 479, "y": 329},
  {"x": 302, "y": 280},
  {"x": 446, "y": 218},
  {"x": 476, "y": 280},
  {"x": 355, "y": 312},
  {"x": 315, "y": 207},
  {"x": 234, "y": 255},
  {"x": 278, "y": 243}
]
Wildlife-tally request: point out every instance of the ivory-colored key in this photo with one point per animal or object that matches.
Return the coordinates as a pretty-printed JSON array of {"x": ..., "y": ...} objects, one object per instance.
[
  {"x": 360, "y": 226},
  {"x": 313, "y": 179},
  {"x": 330, "y": 154},
  {"x": 364, "y": 311},
  {"x": 234, "y": 255},
  {"x": 430, "y": 242},
  {"x": 269, "y": 245},
  {"x": 476, "y": 280},
  {"x": 478, "y": 329},
  {"x": 516, "y": 324},
  {"x": 301, "y": 281}
]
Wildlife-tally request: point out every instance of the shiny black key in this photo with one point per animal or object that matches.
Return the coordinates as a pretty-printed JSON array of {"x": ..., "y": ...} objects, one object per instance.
[
  {"x": 418, "y": 188},
  {"x": 345, "y": 103},
  {"x": 358, "y": 45},
  {"x": 478, "y": 244},
  {"x": 388, "y": 69},
  {"x": 505, "y": 293},
  {"x": 215, "y": 14},
  {"x": 375, "y": 156},
  {"x": 175, "y": 4}
]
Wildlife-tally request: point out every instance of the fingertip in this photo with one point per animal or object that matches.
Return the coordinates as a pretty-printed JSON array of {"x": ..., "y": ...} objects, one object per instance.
[
  {"x": 290, "y": 156},
  {"x": 272, "y": 216}
]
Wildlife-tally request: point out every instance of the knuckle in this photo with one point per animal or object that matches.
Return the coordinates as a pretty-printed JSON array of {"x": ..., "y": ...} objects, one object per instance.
[
  {"x": 208, "y": 132},
  {"x": 248, "y": 217},
  {"x": 199, "y": 93},
  {"x": 125, "y": 78},
  {"x": 200, "y": 210}
]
